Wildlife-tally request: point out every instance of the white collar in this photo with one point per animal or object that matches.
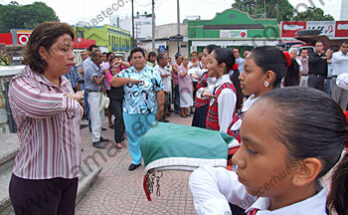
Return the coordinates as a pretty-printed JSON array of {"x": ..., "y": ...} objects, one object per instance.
[
  {"x": 223, "y": 79},
  {"x": 249, "y": 102},
  {"x": 343, "y": 54},
  {"x": 313, "y": 205}
]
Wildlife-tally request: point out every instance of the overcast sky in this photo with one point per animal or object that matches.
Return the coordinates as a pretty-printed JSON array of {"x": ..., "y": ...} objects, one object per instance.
[{"x": 72, "y": 11}]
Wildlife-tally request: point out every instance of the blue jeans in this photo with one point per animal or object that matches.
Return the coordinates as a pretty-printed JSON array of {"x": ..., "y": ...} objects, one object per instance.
[
  {"x": 136, "y": 126},
  {"x": 327, "y": 86},
  {"x": 85, "y": 101}
]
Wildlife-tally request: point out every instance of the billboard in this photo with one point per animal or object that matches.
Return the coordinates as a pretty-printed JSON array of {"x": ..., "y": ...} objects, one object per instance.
[
  {"x": 20, "y": 36},
  {"x": 331, "y": 29}
]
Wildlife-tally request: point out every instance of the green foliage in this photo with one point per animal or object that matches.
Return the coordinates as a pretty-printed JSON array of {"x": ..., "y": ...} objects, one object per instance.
[
  {"x": 4, "y": 59},
  {"x": 313, "y": 14},
  {"x": 28, "y": 16},
  {"x": 255, "y": 8}
]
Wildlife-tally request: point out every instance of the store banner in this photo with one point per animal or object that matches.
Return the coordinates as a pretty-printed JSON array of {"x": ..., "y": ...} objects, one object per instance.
[
  {"x": 234, "y": 34},
  {"x": 331, "y": 29}
]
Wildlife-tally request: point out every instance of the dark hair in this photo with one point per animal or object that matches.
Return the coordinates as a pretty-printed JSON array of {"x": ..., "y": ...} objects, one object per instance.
[
  {"x": 310, "y": 124},
  {"x": 105, "y": 53},
  {"x": 337, "y": 199},
  {"x": 91, "y": 47},
  {"x": 345, "y": 42},
  {"x": 112, "y": 58},
  {"x": 177, "y": 55},
  {"x": 224, "y": 55},
  {"x": 45, "y": 35},
  {"x": 108, "y": 54},
  {"x": 292, "y": 77},
  {"x": 137, "y": 49},
  {"x": 129, "y": 58},
  {"x": 152, "y": 53},
  {"x": 271, "y": 58},
  {"x": 211, "y": 48},
  {"x": 160, "y": 56},
  {"x": 319, "y": 41}
]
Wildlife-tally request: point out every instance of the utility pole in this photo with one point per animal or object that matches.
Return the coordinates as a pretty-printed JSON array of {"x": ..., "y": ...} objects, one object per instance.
[
  {"x": 178, "y": 12},
  {"x": 264, "y": 9},
  {"x": 133, "y": 41},
  {"x": 153, "y": 25}
]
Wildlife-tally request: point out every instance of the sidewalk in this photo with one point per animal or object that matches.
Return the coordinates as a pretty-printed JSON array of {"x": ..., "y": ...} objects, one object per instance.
[{"x": 119, "y": 191}]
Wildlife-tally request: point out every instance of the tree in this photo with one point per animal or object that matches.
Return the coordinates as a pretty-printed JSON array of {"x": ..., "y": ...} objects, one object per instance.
[
  {"x": 313, "y": 14},
  {"x": 14, "y": 16},
  {"x": 280, "y": 9}
]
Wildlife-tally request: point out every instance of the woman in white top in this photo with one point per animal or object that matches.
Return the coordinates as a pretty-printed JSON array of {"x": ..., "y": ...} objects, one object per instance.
[{"x": 283, "y": 155}]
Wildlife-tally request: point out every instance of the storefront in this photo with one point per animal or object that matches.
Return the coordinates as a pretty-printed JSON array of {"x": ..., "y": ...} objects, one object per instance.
[
  {"x": 232, "y": 28},
  {"x": 115, "y": 39}
]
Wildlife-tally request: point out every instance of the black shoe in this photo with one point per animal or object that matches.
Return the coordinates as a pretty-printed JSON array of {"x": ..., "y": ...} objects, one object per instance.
[
  {"x": 104, "y": 129},
  {"x": 111, "y": 126},
  {"x": 104, "y": 139},
  {"x": 133, "y": 166},
  {"x": 98, "y": 145},
  {"x": 163, "y": 120}
]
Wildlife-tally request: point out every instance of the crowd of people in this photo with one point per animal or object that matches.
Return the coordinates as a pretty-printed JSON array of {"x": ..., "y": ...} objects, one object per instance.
[{"x": 275, "y": 125}]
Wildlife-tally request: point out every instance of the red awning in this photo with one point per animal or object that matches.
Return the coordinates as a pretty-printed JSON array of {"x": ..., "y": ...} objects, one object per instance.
[
  {"x": 81, "y": 43},
  {"x": 6, "y": 38}
]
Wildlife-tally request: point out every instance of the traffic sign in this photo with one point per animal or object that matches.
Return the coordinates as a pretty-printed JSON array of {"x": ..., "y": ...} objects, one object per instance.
[{"x": 161, "y": 48}]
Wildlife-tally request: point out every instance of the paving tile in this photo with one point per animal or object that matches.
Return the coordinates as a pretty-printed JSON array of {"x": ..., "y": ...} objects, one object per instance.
[{"x": 119, "y": 191}]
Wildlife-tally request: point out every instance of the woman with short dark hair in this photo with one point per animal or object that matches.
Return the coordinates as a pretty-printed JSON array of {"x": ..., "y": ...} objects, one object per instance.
[
  {"x": 143, "y": 101},
  {"x": 48, "y": 114}
]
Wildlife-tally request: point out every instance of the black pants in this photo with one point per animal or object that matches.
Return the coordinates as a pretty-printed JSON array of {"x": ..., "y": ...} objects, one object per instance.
[
  {"x": 316, "y": 81},
  {"x": 55, "y": 196},
  {"x": 116, "y": 108}
]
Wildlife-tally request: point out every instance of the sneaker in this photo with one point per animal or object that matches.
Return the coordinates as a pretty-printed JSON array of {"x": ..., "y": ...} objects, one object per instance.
[{"x": 99, "y": 145}]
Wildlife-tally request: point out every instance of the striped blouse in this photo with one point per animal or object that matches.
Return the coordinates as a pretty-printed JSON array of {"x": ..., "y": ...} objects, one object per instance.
[{"x": 48, "y": 127}]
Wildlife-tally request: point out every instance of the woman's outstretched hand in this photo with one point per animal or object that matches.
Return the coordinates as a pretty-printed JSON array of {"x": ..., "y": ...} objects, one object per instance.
[{"x": 78, "y": 96}]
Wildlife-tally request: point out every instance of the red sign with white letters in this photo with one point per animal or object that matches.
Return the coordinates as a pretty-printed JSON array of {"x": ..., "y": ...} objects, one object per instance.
[
  {"x": 289, "y": 29},
  {"x": 331, "y": 29},
  {"x": 341, "y": 29}
]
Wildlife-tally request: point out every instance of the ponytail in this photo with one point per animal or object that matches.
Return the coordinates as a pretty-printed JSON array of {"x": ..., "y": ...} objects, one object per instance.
[
  {"x": 235, "y": 80},
  {"x": 224, "y": 55},
  {"x": 337, "y": 199},
  {"x": 292, "y": 76}
]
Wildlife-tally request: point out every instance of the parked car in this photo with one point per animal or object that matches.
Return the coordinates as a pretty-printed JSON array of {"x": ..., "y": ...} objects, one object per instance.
[{"x": 300, "y": 47}]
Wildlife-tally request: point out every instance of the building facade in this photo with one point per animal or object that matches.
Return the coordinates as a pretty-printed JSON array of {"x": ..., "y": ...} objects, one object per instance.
[
  {"x": 114, "y": 39},
  {"x": 163, "y": 41},
  {"x": 232, "y": 28}
]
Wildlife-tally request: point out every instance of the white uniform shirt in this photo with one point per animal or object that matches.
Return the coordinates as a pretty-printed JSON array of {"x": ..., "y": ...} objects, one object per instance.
[
  {"x": 214, "y": 187},
  {"x": 237, "y": 125},
  {"x": 194, "y": 68},
  {"x": 227, "y": 103},
  {"x": 165, "y": 80},
  {"x": 340, "y": 63}
]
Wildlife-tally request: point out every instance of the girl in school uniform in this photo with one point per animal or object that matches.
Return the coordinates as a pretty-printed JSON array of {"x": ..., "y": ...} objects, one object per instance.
[
  {"x": 291, "y": 137},
  {"x": 226, "y": 96},
  {"x": 264, "y": 68},
  {"x": 205, "y": 81}
]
